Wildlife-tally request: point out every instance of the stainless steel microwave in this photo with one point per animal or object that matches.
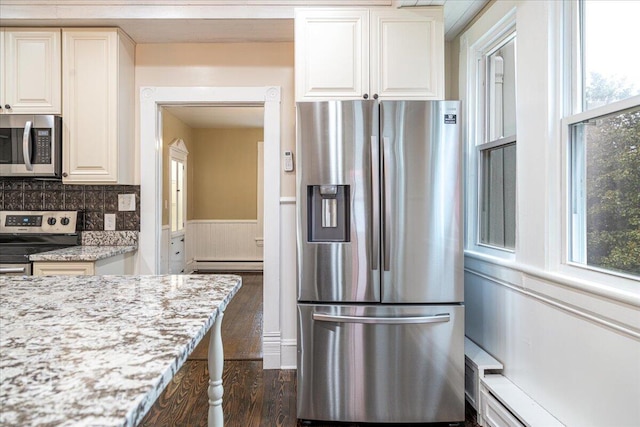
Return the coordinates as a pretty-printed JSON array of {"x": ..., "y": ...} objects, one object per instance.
[{"x": 30, "y": 146}]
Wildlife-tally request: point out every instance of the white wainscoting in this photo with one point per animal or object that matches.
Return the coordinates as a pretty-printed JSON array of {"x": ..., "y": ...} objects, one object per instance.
[
  {"x": 224, "y": 243},
  {"x": 572, "y": 351}
]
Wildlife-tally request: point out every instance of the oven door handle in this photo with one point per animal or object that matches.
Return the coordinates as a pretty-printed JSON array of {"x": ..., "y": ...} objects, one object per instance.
[
  {"x": 10, "y": 270},
  {"x": 26, "y": 145}
]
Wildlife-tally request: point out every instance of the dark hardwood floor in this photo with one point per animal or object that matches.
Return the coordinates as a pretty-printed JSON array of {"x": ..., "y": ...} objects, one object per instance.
[
  {"x": 241, "y": 325},
  {"x": 253, "y": 397}
]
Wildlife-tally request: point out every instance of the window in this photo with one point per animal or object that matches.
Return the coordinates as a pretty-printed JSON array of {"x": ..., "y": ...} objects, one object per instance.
[
  {"x": 178, "y": 185},
  {"x": 496, "y": 152},
  {"x": 604, "y": 138},
  {"x": 177, "y": 199}
]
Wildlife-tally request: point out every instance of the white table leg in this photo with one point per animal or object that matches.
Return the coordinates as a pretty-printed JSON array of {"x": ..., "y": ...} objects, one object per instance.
[{"x": 216, "y": 364}]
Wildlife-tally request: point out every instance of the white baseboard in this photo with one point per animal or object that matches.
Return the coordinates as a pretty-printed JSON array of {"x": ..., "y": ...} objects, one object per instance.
[
  {"x": 190, "y": 267},
  {"x": 271, "y": 350},
  {"x": 288, "y": 354},
  {"x": 228, "y": 265}
]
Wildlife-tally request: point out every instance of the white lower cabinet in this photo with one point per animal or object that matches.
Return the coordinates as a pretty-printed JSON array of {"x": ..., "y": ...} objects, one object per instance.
[
  {"x": 58, "y": 268},
  {"x": 177, "y": 255},
  {"x": 98, "y": 106}
]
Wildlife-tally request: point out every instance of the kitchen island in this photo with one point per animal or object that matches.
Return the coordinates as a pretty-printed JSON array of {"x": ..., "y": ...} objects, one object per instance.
[{"x": 99, "y": 350}]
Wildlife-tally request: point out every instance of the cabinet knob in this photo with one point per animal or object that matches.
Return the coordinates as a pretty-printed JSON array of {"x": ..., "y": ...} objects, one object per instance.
[
  {"x": 365, "y": 96},
  {"x": 7, "y": 106},
  {"x": 64, "y": 174},
  {"x": 375, "y": 96}
]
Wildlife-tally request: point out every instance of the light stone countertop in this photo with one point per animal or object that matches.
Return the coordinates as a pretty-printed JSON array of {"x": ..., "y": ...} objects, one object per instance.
[
  {"x": 98, "y": 350},
  {"x": 82, "y": 253}
]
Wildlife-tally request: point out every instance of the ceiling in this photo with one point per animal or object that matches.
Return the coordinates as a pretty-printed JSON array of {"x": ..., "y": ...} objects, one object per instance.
[
  {"x": 201, "y": 117},
  {"x": 204, "y": 21}
]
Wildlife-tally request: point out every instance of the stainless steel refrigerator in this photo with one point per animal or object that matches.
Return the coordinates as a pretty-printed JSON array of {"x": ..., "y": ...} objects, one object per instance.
[{"x": 379, "y": 262}]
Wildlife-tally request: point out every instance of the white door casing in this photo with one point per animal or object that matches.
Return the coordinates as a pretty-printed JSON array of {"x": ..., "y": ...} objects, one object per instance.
[{"x": 151, "y": 100}]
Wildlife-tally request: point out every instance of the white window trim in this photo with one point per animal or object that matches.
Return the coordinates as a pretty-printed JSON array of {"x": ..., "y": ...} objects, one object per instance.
[
  {"x": 569, "y": 100},
  {"x": 476, "y": 133}
]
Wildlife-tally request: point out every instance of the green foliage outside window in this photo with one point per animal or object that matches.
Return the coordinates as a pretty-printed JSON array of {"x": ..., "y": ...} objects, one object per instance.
[{"x": 612, "y": 183}]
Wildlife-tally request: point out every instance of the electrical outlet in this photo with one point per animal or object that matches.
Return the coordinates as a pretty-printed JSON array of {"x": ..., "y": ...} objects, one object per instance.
[
  {"x": 109, "y": 222},
  {"x": 126, "y": 202}
]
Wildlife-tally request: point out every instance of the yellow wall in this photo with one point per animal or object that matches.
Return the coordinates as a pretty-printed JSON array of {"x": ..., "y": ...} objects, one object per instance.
[
  {"x": 224, "y": 166},
  {"x": 225, "y": 64},
  {"x": 173, "y": 128}
]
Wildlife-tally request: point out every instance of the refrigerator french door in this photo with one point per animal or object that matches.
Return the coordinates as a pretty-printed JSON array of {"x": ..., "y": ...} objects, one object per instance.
[{"x": 380, "y": 292}]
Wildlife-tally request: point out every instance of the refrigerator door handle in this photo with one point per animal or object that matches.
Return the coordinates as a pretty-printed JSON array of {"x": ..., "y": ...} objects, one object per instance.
[
  {"x": 386, "y": 158},
  {"x": 375, "y": 200},
  {"x": 437, "y": 318}
]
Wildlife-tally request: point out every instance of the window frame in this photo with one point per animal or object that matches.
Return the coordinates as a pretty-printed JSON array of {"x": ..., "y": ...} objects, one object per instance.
[
  {"x": 573, "y": 112},
  {"x": 178, "y": 152},
  {"x": 573, "y": 243},
  {"x": 478, "y": 134}
]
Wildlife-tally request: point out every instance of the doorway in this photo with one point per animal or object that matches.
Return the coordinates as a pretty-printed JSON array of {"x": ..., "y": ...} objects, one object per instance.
[
  {"x": 223, "y": 224},
  {"x": 152, "y": 99}
]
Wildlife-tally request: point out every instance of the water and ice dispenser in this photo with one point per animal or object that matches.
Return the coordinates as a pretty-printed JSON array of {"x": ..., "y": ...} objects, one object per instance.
[{"x": 328, "y": 211}]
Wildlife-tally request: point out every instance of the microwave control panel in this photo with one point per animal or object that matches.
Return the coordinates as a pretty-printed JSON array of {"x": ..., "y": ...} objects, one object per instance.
[{"x": 42, "y": 146}]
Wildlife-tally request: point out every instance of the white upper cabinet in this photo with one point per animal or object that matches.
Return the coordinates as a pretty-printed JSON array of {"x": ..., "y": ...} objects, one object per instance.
[
  {"x": 407, "y": 54},
  {"x": 331, "y": 53},
  {"x": 30, "y": 71},
  {"x": 98, "y": 93},
  {"x": 369, "y": 53}
]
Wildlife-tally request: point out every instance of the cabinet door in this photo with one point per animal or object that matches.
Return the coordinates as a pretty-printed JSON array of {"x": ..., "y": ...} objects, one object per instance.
[
  {"x": 407, "y": 54},
  {"x": 176, "y": 256},
  {"x": 32, "y": 81},
  {"x": 63, "y": 268},
  {"x": 89, "y": 76},
  {"x": 332, "y": 54}
]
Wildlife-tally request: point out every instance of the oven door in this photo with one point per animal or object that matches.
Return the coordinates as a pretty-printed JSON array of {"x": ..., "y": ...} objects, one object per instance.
[
  {"x": 15, "y": 269},
  {"x": 30, "y": 146}
]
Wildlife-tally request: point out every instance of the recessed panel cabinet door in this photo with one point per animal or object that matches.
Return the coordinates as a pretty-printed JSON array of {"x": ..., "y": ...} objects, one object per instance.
[
  {"x": 332, "y": 54},
  {"x": 31, "y": 71},
  {"x": 407, "y": 54},
  {"x": 90, "y": 95},
  {"x": 99, "y": 99}
]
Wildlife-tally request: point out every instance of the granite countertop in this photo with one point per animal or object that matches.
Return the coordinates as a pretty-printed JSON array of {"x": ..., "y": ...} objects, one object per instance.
[
  {"x": 98, "y": 350},
  {"x": 82, "y": 253}
]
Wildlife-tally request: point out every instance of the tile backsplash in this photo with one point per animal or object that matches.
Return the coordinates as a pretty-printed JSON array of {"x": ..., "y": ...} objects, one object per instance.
[{"x": 93, "y": 200}]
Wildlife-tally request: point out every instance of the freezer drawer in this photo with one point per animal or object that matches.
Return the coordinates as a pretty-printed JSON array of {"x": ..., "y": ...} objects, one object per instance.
[{"x": 381, "y": 363}]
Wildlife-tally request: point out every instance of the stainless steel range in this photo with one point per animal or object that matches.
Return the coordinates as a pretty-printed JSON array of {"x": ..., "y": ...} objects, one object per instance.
[{"x": 23, "y": 233}]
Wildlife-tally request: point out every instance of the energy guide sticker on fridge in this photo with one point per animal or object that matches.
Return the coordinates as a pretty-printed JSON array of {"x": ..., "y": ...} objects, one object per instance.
[{"x": 450, "y": 119}]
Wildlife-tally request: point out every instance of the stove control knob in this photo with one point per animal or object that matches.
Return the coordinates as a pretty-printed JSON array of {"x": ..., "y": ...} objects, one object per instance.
[
  {"x": 51, "y": 221},
  {"x": 64, "y": 221}
]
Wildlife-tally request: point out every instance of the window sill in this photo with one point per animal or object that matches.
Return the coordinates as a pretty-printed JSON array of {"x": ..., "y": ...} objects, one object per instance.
[{"x": 628, "y": 293}]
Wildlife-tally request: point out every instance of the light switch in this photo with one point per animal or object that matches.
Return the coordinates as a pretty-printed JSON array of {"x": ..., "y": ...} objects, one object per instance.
[
  {"x": 109, "y": 222},
  {"x": 126, "y": 202}
]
